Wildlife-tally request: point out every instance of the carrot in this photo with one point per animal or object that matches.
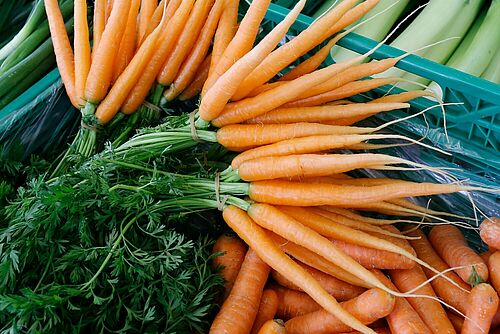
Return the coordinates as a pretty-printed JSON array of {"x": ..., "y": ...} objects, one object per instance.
[
  {"x": 128, "y": 42},
  {"x": 239, "y": 310},
  {"x": 157, "y": 17},
  {"x": 101, "y": 69},
  {"x": 109, "y": 9},
  {"x": 430, "y": 311},
  {"x": 147, "y": 10},
  {"x": 167, "y": 40},
  {"x": 337, "y": 288},
  {"x": 457, "y": 321},
  {"x": 230, "y": 261},
  {"x": 357, "y": 217},
  {"x": 353, "y": 15},
  {"x": 257, "y": 239},
  {"x": 267, "y": 310},
  {"x": 402, "y": 97},
  {"x": 185, "y": 43},
  {"x": 494, "y": 269},
  {"x": 99, "y": 22},
  {"x": 194, "y": 88},
  {"x": 292, "y": 303},
  {"x": 324, "y": 113},
  {"x": 289, "y": 52},
  {"x": 347, "y": 90},
  {"x": 378, "y": 330},
  {"x": 450, "y": 244},
  {"x": 241, "y": 43},
  {"x": 221, "y": 90},
  {"x": 450, "y": 294},
  {"x": 368, "y": 307},
  {"x": 82, "y": 48},
  {"x": 482, "y": 306},
  {"x": 403, "y": 319},
  {"x": 489, "y": 231},
  {"x": 273, "y": 327},
  {"x": 62, "y": 49}
]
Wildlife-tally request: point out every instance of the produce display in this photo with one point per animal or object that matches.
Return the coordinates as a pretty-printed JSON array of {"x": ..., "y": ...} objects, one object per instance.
[{"x": 199, "y": 168}]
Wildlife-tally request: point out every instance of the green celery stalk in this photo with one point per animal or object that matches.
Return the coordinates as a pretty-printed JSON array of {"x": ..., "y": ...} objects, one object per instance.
[{"x": 492, "y": 72}]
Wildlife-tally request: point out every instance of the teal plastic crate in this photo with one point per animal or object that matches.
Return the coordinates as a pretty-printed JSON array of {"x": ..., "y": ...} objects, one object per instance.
[{"x": 473, "y": 127}]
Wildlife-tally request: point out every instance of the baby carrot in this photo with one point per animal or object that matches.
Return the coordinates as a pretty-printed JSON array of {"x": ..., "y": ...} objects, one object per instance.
[
  {"x": 99, "y": 22},
  {"x": 82, "y": 48},
  {"x": 489, "y": 231},
  {"x": 481, "y": 308},
  {"x": 267, "y": 310},
  {"x": 494, "y": 268},
  {"x": 273, "y": 327},
  {"x": 194, "y": 88},
  {"x": 147, "y": 10}
]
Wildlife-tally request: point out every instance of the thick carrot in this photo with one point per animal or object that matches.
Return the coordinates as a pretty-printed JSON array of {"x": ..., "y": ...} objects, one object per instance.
[
  {"x": 241, "y": 43},
  {"x": 267, "y": 310},
  {"x": 82, "y": 48},
  {"x": 147, "y": 10},
  {"x": 239, "y": 310},
  {"x": 337, "y": 288},
  {"x": 402, "y": 97},
  {"x": 167, "y": 40},
  {"x": 128, "y": 42},
  {"x": 99, "y": 22},
  {"x": 403, "y": 319},
  {"x": 486, "y": 255},
  {"x": 289, "y": 52},
  {"x": 194, "y": 88},
  {"x": 324, "y": 113},
  {"x": 62, "y": 49},
  {"x": 220, "y": 91},
  {"x": 273, "y": 326},
  {"x": 489, "y": 231},
  {"x": 186, "y": 41},
  {"x": 450, "y": 244},
  {"x": 230, "y": 261},
  {"x": 482, "y": 307},
  {"x": 368, "y": 307},
  {"x": 456, "y": 320},
  {"x": 430, "y": 311},
  {"x": 450, "y": 294},
  {"x": 293, "y": 303},
  {"x": 256, "y": 238},
  {"x": 494, "y": 268}
]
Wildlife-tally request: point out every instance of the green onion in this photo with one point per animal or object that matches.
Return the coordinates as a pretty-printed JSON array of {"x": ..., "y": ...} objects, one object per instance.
[{"x": 492, "y": 72}]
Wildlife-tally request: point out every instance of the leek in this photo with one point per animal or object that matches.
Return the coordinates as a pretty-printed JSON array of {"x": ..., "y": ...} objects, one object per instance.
[{"x": 492, "y": 72}]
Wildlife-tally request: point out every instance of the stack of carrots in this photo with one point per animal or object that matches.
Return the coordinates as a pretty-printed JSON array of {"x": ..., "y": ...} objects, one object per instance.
[{"x": 299, "y": 225}]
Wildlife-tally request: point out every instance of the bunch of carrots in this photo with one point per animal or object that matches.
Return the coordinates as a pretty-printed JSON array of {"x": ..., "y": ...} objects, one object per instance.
[{"x": 298, "y": 224}]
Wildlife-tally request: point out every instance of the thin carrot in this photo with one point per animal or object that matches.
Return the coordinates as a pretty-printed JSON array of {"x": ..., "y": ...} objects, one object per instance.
[
  {"x": 81, "y": 47},
  {"x": 368, "y": 307},
  {"x": 185, "y": 43},
  {"x": 257, "y": 239},
  {"x": 167, "y": 40},
  {"x": 101, "y": 69},
  {"x": 450, "y": 244},
  {"x": 273, "y": 326},
  {"x": 128, "y": 42},
  {"x": 402, "y": 97},
  {"x": 194, "y": 88},
  {"x": 265, "y": 88},
  {"x": 220, "y": 91},
  {"x": 457, "y": 321},
  {"x": 230, "y": 261},
  {"x": 239, "y": 310},
  {"x": 403, "y": 319},
  {"x": 430, "y": 311},
  {"x": 147, "y": 10},
  {"x": 109, "y": 9},
  {"x": 62, "y": 49},
  {"x": 241, "y": 43},
  {"x": 494, "y": 268},
  {"x": 450, "y": 294},
  {"x": 489, "y": 231},
  {"x": 289, "y": 52},
  {"x": 357, "y": 217},
  {"x": 482, "y": 306},
  {"x": 267, "y": 310},
  {"x": 324, "y": 113},
  {"x": 353, "y": 15},
  {"x": 99, "y": 22},
  {"x": 157, "y": 16},
  {"x": 378, "y": 330}
]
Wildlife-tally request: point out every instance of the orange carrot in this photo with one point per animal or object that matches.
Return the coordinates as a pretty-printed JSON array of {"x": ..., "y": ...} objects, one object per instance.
[
  {"x": 402, "y": 97},
  {"x": 490, "y": 232},
  {"x": 273, "y": 327},
  {"x": 167, "y": 40},
  {"x": 494, "y": 268},
  {"x": 486, "y": 255},
  {"x": 239, "y": 310},
  {"x": 128, "y": 42},
  {"x": 230, "y": 261},
  {"x": 147, "y": 10},
  {"x": 378, "y": 330},
  {"x": 456, "y": 320},
  {"x": 267, "y": 310},
  {"x": 368, "y": 307},
  {"x": 99, "y": 22},
  {"x": 450, "y": 294},
  {"x": 157, "y": 17},
  {"x": 403, "y": 318},
  {"x": 256, "y": 238},
  {"x": 482, "y": 306},
  {"x": 185, "y": 43},
  {"x": 109, "y": 9},
  {"x": 292, "y": 303},
  {"x": 196, "y": 85},
  {"x": 353, "y": 15},
  {"x": 82, "y": 48},
  {"x": 221, "y": 90},
  {"x": 101, "y": 69},
  {"x": 62, "y": 49},
  {"x": 450, "y": 244},
  {"x": 241, "y": 43},
  {"x": 430, "y": 311}
]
